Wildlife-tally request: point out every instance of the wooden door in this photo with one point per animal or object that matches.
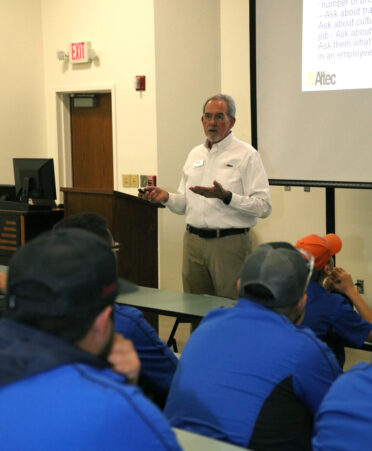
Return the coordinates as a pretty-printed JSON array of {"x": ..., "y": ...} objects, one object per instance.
[{"x": 91, "y": 142}]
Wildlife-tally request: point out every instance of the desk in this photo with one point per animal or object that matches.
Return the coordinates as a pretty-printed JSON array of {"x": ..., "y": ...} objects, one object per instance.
[
  {"x": 191, "y": 442},
  {"x": 173, "y": 303},
  {"x": 185, "y": 307}
]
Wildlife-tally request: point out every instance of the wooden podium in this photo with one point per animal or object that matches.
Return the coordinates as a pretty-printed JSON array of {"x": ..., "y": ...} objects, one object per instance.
[{"x": 133, "y": 223}]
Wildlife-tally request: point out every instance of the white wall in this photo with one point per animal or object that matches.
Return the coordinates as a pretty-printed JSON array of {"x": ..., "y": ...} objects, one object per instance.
[
  {"x": 354, "y": 224},
  {"x": 22, "y": 114},
  {"x": 187, "y": 49},
  {"x": 235, "y": 67},
  {"x": 122, "y": 33}
]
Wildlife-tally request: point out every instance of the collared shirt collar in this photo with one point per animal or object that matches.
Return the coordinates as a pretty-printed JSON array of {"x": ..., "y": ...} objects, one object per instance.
[{"x": 221, "y": 144}]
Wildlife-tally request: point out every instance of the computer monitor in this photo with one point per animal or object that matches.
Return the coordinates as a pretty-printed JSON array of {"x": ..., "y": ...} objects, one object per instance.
[{"x": 34, "y": 179}]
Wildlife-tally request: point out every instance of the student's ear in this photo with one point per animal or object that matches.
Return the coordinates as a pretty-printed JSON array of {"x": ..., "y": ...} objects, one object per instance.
[
  {"x": 300, "y": 310},
  {"x": 303, "y": 301},
  {"x": 98, "y": 332},
  {"x": 327, "y": 269},
  {"x": 238, "y": 285},
  {"x": 102, "y": 323}
]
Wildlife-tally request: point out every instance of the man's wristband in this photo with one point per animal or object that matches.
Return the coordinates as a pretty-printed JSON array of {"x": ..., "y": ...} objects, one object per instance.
[{"x": 227, "y": 199}]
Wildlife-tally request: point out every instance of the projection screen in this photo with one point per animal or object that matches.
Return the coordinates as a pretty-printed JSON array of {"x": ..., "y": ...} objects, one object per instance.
[{"x": 314, "y": 89}]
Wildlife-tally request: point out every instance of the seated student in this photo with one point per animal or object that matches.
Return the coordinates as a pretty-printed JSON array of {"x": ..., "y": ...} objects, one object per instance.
[
  {"x": 158, "y": 362},
  {"x": 330, "y": 315},
  {"x": 61, "y": 385},
  {"x": 247, "y": 374},
  {"x": 343, "y": 421}
]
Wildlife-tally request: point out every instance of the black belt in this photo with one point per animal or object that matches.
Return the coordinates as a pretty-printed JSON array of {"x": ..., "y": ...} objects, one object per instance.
[{"x": 215, "y": 233}]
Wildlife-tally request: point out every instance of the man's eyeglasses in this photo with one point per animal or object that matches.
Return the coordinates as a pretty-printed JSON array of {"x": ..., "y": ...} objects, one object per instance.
[
  {"x": 115, "y": 246},
  {"x": 218, "y": 117},
  {"x": 310, "y": 261}
]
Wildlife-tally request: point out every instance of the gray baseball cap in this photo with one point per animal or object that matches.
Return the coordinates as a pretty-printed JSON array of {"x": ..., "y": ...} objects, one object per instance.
[
  {"x": 277, "y": 270},
  {"x": 64, "y": 272}
]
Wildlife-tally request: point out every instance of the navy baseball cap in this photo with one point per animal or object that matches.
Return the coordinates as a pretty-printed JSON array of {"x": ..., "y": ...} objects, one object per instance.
[
  {"x": 64, "y": 272},
  {"x": 281, "y": 270}
]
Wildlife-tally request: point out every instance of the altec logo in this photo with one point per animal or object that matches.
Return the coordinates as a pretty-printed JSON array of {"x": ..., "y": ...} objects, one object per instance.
[{"x": 320, "y": 78}]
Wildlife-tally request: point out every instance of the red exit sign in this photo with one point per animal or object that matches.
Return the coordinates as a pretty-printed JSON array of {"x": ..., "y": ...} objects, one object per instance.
[{"x": 79, "y": 52}]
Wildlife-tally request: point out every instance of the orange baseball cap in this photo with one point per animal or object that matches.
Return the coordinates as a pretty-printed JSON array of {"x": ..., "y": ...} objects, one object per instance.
[{"x": 322, "y": 248}]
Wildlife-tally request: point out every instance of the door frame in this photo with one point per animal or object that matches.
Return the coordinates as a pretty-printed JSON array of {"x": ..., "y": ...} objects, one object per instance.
[{"x": 62, "y": 96}]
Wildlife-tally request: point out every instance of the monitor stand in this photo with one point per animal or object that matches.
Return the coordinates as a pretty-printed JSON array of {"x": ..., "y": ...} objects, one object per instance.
[{"x": 25, "y": 190}]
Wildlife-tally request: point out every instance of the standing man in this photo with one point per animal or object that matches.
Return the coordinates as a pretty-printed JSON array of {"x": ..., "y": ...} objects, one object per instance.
[{"x": 223, "y": 190}]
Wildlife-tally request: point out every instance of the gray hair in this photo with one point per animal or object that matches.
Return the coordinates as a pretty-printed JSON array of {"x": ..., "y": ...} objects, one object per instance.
[{"x": 230, "y": 102}]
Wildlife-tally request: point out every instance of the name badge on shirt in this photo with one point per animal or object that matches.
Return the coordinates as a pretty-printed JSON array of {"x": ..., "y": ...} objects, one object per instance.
[{"x": 198, "y": 163}]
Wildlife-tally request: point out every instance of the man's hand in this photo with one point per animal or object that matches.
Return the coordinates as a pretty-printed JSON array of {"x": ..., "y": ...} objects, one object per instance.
[
  {"x": 328, "y": 284},
  {"x": 342, "y": 281},
  {"x": 124, "y": 359},
  {"x": 154, "y": 194},
  {"x": 216, "y": 191},
  {"x": 3, "y": 282}
]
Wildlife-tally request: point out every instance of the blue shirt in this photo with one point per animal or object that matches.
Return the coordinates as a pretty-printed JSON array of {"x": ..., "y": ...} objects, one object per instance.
[
  {"x": 334, "y": 320},
  {"x": 344, "y": 419},
  {"x": 248, "y": 376},
  {"x": 76, "y": 407},
  {"x": 54, "y": 396},
  {"x": 158, "y": 362}
]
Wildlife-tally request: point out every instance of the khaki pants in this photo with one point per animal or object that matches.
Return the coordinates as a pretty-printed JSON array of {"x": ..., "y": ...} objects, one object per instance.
[{"x": 213, "y": 265}]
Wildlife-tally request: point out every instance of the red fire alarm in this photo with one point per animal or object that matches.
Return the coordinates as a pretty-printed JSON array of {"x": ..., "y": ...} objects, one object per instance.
[{"x": 140, "y": 83}]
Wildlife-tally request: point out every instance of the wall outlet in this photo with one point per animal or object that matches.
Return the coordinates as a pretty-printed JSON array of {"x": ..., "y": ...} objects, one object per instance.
[
  {"x": 143, "y": 181},
  {"x": 134, "y": 181},
  {"x": 360, "y": 286},
  {"x": 125, "y": 178}
]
